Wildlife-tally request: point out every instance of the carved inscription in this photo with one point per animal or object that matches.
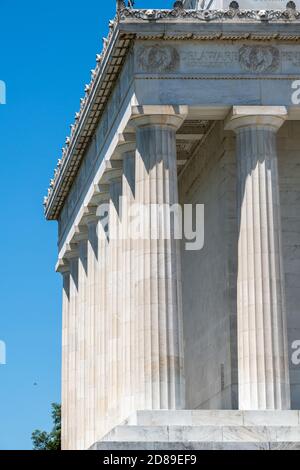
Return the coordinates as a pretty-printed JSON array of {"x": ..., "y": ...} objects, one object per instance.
[{"x": 212, "y": 58}]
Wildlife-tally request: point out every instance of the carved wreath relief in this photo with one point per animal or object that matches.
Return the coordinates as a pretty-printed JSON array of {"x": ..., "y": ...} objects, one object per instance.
[
  {"x": 158, "y": 58},
  {"x": 259, "y": 58},
  {"x": 165, "y": 58}
]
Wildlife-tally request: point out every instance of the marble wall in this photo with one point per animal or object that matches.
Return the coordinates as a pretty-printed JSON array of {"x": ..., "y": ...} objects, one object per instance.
[{"x": 289, "y": 179}]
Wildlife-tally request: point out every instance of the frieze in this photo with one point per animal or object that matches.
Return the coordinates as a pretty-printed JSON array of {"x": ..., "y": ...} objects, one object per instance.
[{"x": 190, "y": 58}]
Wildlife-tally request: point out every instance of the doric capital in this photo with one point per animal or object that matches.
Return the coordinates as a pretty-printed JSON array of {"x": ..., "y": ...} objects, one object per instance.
[
  {"x": 71, "y": 251},
  {"x": 113, "y": 170},
  {"x": 164, "y": 115},
  {"x": 248, "y": 116},
  {"x": 90, "y": 216},
  {"x": 81, "y": 233},
  {"x": 62, "y": 266},
  {"x": 101, "y": 194},
  {"x": 126, "y": 144}
]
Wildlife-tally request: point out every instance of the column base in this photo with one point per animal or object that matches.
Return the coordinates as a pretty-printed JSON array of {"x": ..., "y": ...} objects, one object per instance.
[{"x": 205, "y": 430}]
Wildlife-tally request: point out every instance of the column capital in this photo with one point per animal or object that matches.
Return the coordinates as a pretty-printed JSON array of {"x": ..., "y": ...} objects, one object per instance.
[
  {"x": 164, "y": 115},
  {"x": 248, "y": 116},
  {"x": 80, "y": 232},
  {"x": 71, "y": 250},
  {"x": 89, "y": 215},
  {"x": 126, "y": 144},
  {"x": 100, "y": 195},
  {"x": 113, "y": 170},
  {"x": 62, "y": 266}
]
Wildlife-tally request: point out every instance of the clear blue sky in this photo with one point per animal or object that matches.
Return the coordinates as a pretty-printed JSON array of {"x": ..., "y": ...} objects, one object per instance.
[{"x": 47, "y": 52}]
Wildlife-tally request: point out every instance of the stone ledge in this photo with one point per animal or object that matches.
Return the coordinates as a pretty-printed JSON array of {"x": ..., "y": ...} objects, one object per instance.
[
  {"x": 205, "y": 430},
  {"x": 214, "y": 418},
  {"x": 204, "y": 433},
  {"x": 186, "y": 446}
]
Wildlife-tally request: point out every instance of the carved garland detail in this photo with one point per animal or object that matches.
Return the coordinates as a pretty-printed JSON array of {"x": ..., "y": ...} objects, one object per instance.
[{"x": 210, "y": 15}]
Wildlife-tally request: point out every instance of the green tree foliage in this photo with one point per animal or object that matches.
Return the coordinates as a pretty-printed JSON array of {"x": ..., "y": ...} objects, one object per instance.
[{"x": 43, "y": 440}]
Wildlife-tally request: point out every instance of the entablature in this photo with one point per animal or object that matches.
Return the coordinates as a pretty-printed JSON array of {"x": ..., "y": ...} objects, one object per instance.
[{"x": 249, "y": 28}]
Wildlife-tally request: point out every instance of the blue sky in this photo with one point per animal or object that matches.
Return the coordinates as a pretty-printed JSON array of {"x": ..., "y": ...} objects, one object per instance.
[{"x": 47, "y": 52}]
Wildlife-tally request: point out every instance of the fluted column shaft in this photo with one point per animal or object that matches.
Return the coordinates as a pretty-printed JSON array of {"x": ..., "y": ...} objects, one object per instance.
[
  {"x": 82, "y": 328},
  {"x": 158, "y": 270},
  {"x": 114, "y": 297},
  {"x": 102, "y": 330},
  {"x": 65, "y": 357},
  {"x": 90, "y": 336},
  {"x": 73, "y": 354},
  {"x": 129, "y": 330},
  {"x": 262, "y": 331}
]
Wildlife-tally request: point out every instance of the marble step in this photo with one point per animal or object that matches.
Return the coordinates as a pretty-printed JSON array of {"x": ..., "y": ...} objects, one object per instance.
[
  {"x": 214, "y": 418},
  {"x": 191, "y": 446},
  {"x": 205, "y": 430},
  {"x": 202, "y": 434}
]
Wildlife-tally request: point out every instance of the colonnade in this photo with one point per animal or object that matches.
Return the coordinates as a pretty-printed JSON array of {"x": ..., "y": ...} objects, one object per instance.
[
  {"x": 122, "y": 303},
  {"x": 122, "y": 307}
]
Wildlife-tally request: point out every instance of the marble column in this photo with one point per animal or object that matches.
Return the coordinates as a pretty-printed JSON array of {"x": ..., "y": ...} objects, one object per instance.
[
  {"x": 65, "y": 271},
  {"x": 129, "y": 323},
  {"x": 90, "y": 337},
  {"x": 262, "y": 331},
  {"x": 115, "y": 351},
  {"x": 96, "y": 392},
  {"x": 73, "y": 257},
  {"x": 158, "y": 270},
  {"x": 101, "y": 323},
  {"x": 81, "y": 326}
]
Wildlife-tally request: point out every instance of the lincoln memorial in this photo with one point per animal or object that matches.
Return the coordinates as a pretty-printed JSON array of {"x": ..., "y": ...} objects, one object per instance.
[{"x": 191, "y": 340}]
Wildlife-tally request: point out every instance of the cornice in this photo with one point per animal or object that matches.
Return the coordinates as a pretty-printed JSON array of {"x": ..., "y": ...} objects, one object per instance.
[{"x": 128, "y": 25}]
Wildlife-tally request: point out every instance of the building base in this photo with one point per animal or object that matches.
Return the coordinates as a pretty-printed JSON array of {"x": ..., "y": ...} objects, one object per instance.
[{"x": 205, "y": 430}]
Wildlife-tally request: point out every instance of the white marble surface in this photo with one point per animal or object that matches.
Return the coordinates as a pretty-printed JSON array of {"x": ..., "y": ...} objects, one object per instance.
[
  {"x": 141, "y": 432},
  {"x": 228, "y": 418}
]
